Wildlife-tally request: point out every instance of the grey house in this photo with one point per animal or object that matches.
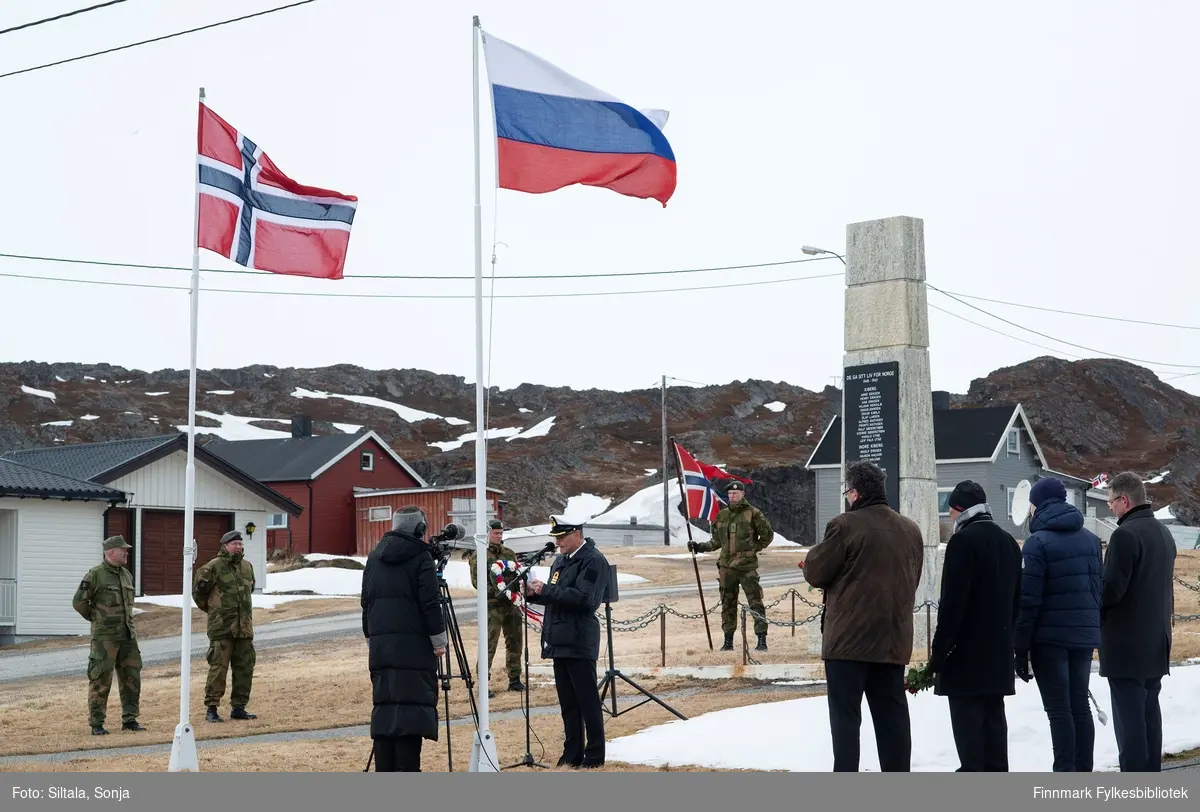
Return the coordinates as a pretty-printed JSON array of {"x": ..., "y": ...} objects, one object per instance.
[{"x": 993, "y": 445}]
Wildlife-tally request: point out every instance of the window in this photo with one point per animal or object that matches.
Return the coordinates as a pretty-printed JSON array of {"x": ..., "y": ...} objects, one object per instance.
[
  {"x": 1014, "y": 442},
  {"x": 944, "y": 501},
  {"x": 277, "y": 521},
  {"x": 382, "y": 513},
  {"x": 1011, "y": 492},
  {"x": 367, "y": 461}
]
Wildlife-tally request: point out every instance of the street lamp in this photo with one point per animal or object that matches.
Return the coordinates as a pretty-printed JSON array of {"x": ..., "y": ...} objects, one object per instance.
[{"x": 811, "y": 251}]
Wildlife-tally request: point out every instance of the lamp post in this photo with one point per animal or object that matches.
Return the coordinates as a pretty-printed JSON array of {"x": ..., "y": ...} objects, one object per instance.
[{"x": 811, "y": 251}]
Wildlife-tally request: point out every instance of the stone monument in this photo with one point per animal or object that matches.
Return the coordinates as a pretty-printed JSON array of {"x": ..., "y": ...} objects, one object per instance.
[{"x": 887, "y": 398}]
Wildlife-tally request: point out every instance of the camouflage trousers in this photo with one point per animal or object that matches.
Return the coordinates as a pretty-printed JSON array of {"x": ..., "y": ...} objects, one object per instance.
[
  {"x": 729, "y": 581},
  {"x": 506, "y": 618},
  {"x": 225, "y": 654},
  {"x": 125, "y": 658}
]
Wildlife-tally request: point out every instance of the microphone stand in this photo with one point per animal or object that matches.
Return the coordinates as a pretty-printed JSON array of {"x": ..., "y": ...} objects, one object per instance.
[{"x": 523, "y": 578}]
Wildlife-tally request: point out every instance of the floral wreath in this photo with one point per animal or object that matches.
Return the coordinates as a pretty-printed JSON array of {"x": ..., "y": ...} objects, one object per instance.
[{"x": 499, "y": 570}]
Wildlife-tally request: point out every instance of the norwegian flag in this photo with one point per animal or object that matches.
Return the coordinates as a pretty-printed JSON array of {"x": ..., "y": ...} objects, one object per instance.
[
  {"x": 253, "y": 214},
  {"x": 703, "y": 500},
  {"x": 1100, "y": 481}
]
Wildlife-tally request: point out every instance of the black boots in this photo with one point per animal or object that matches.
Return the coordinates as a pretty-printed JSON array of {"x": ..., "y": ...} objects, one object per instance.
[
  {"x": 728, "y": 642},
  {"x": 211, "y": 715},
  {"x": 515, "y": 685},
  {"x": 99, "y": 731},
  {"x": 134, "y": 726},
  {"x": 762, "y": 643},
  {"x": 240, "y": 713}
]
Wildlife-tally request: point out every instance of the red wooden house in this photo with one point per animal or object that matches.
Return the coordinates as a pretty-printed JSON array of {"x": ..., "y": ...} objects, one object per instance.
[
  {"x": 321, "y": 474},
  {"x": 441, "y": 505}
]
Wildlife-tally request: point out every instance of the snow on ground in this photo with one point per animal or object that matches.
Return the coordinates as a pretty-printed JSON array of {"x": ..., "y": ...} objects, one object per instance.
[
  {"x": 220, "y": 391},
  {"x": 794, "y": 735},
  {"x": 41, "y": 393},
  {"x": 775, "y": 406},
  {"x": 509, "y": 434},
  {"x": 404, "y": 412},
  {"x": 349, "y": 428},
  {"x": 90, "y": 417},
  {"x": 586, "y": 505},
  {"x": 324, "y": 581},
  {"x": 1158, "y": 478},
  {"x": 1164, "y": 514},
  {"x": 60, "y": 423},
  {"x": 362, "y": 559},
  {"x": 88, "y": 378},
  {"x": 60, "y": 379},
  {"x": 523, "y": 410},
  {"x": 234, "y": 427},
  {"x": 651, "y": 471},
  {"x": 157, "y": 394}
]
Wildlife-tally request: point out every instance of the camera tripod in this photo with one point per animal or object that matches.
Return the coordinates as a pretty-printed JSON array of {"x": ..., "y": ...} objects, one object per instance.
[{"x": 527, "y": 760}]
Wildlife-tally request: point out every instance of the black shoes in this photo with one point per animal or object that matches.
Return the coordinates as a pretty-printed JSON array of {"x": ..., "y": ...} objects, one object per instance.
[
  {"x": 515, "y": 685},
  {"x": 211, "y": 715},
  {"x": 134, "y": 726},
  {"x": 99, "y": 731},
  {"x": 762, "y": 643},
  {"x": 728, "y": 642},
  {"x": 240, "y": 713}
]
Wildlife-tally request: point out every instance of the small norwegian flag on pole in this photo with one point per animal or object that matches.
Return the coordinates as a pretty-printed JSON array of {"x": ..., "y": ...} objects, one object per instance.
[{"x": 253, "y": 214}]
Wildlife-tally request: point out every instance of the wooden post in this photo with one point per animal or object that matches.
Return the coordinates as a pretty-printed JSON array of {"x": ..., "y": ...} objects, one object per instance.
[
  {"x": 662, "y": 629},
  {"x": 793, "y": 613}
]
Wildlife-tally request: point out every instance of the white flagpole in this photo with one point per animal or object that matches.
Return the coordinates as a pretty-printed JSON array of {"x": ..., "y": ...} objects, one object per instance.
[
  {"x": 483, "y": 750},
  {"x": 183, "y": 748}
]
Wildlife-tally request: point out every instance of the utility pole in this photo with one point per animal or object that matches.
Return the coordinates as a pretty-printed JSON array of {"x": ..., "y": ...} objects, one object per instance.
[{"x": 666, "y": 490}]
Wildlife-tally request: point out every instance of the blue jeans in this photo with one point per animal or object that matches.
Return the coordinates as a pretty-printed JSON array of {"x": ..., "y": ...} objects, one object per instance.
[{"x": 1062, "y": 676}]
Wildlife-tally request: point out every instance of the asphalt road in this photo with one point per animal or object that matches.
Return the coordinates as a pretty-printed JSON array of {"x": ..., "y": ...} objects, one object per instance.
[{"x": 18, "y": 665}]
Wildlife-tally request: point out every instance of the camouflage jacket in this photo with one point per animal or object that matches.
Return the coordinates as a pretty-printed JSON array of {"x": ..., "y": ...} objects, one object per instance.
[
  {"x": 105, "y": 597},
  {"x": 495, "y": 552},
  {"x": 222, "y": 589},
  {"x": 740, "y": 532}
]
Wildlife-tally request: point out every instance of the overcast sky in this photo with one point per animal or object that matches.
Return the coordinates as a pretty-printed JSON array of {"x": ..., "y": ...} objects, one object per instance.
[{"x": 1050, "y": 148}]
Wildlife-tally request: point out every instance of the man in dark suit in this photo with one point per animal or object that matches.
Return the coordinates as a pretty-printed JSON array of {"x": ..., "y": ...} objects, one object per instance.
[
  {"x": 977, "y": 616},
  {"x": 571, "y": 638},
  {"x": 1135, "y": 622}
]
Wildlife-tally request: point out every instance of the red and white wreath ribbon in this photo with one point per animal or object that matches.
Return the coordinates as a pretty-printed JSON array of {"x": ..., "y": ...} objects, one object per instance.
[{"x": 499, "y": 569}]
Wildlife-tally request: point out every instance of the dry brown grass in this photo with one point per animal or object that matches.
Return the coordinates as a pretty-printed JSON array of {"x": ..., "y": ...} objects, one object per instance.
[{"x": 350, "y": 754}]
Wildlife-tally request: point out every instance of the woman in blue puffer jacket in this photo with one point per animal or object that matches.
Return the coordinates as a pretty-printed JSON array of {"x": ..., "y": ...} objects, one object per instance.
[{"x": 1058, "y": 628}]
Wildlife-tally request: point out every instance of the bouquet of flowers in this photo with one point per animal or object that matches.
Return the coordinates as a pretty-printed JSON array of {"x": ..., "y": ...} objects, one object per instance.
[{"x": 918, "y": 679}]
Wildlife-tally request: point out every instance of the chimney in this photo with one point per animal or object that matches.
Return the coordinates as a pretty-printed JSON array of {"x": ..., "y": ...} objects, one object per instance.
[
  {"x": 301, "y": 426},
  {"x": 941, "y": 401}
]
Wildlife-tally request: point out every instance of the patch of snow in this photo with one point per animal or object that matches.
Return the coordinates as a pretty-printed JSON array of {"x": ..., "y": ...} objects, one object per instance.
[
  {"x": 586, "y": 505},
  {"x": 220, "y": 391},
  {"x": 808, "y": 433},
  {"x": 404, "y": 412},
  {"x": 492, "y": 434},
  {"x": 349, "y": 428},
  {"x": 324, "y": 581},
  {"x": 41, "y": 393},
  {"x": 234, "y": 427},
  {"x": 775, "y": 406},
  {"x": 155, "y": 420},
  {"x": 90, "y": 417},
  {"x": 103, "y": 381},
  {"x": 523, "y": 410},
  {"x": 638, "y": 442},
  {"x": 457, "y": 421},
  {"x": 540, "y": 430},
  {"x": 763, "y": 736},
  {"x": 58, "y": 439},
  {"x": 1164, "y": 514},
  {"x": 1158, "y": 478},
  {"x": 157, "y": 394},
  {"x": 60, "y": 379},
  {"x": 362, "y": 559},
  {"x": 60, "y": 423},
  {"x": 651, "y": 471},
  {"x": 88, "y": 378},
  {"x": 268, "y": 375}
]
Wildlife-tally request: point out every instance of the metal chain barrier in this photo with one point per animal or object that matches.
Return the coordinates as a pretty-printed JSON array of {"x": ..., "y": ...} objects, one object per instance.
[{"x": 1193, "y": 587}]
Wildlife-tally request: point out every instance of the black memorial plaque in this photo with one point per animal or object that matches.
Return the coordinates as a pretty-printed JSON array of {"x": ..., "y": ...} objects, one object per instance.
[{"x": 872, "y": 418}]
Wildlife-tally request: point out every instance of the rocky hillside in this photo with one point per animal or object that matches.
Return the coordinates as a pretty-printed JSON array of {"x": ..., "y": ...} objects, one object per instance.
[{"x": 551, "y": 443}]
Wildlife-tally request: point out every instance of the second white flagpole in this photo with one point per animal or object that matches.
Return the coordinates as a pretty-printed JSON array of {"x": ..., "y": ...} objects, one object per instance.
[
  {"x": 483, "y": 749},
  {"x": 183, "y": 747}
]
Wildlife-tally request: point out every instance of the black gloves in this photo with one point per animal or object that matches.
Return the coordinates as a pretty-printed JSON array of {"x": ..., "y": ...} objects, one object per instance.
[{"x": 1021, "y": 662}]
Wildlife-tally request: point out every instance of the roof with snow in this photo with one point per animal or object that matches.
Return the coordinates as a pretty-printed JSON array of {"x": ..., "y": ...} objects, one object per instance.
[
  {"x": 959, "y": 435},
  {"x": 101, "y": 463},
  {"x": 22, "y": 481},
  {"x": 297, "y": 459}
]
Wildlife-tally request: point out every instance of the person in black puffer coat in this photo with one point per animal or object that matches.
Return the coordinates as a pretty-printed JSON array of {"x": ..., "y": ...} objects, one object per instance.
[
  {"x": 1058, "y": 628},
  {"x": 406, "y": 634}
]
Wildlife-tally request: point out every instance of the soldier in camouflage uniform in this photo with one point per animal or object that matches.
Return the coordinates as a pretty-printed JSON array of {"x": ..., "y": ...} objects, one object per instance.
[
  {"x": 222, "y": 590},
  {"x": 503, "y": 615},
  {"x": 105, "y": 597},
  {"x": 740, "y": 532}
]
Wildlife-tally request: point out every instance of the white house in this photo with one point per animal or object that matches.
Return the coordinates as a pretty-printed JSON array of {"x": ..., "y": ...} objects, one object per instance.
[{"x": 57, "y": 504}]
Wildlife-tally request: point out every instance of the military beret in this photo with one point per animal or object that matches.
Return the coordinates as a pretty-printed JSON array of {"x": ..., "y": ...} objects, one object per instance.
[
  {"x": 560, "y": 527},
  {"x": 496, "y": 524},
  {"x": 736, "y": 486},
  {"x": 116, "y": 542},
  {"x": 232, "y": 535}
]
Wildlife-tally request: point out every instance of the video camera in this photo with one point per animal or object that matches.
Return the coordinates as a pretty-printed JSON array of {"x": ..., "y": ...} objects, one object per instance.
[{"x": 442, "y": 544}]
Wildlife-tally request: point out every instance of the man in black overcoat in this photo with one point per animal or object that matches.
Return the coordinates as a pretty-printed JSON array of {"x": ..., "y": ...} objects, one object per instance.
[
  {"x": 571, "y": 638},
  {"x": 972, "y": 655},
  {"x": 406, "y": 634},
  {"x": 1135, "y": 622}
]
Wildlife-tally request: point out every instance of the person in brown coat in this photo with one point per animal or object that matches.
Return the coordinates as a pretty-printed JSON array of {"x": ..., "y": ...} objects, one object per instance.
[{"x": 869, "y": 564}]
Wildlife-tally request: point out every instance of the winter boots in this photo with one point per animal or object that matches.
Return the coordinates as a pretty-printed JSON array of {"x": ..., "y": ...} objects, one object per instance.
[
  {"x": 728, "y": 642},
  {"x": 762, "y": 643},
  {"x": 515, "y": 685},
  {"x": 211, "y": 715},
  {"x": 240, "y": 713},
  {"x": 134, "y": 726}
]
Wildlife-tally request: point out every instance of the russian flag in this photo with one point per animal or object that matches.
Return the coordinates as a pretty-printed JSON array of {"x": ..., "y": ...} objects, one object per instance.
[{"x": 554, "y": 130}]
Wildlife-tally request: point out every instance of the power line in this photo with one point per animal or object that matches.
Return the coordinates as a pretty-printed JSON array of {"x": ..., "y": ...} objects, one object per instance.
[
  {"x": 62, "y": 16},
  {"x": 110, "y": 283},
  {"x": 1063, "y": 341},
  {"x": 155, "y": 39},
  {"x": 138, "y": 266},
  {"x": 1060, "y": 311}
]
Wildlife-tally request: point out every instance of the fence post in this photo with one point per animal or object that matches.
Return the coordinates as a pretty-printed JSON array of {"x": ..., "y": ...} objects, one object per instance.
[
  {"x": 928, "y": 634},
  {"x": 793, "y": 613},
  {"x": 745, "y": 645},
  {"x": 662, "y": 628}
]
